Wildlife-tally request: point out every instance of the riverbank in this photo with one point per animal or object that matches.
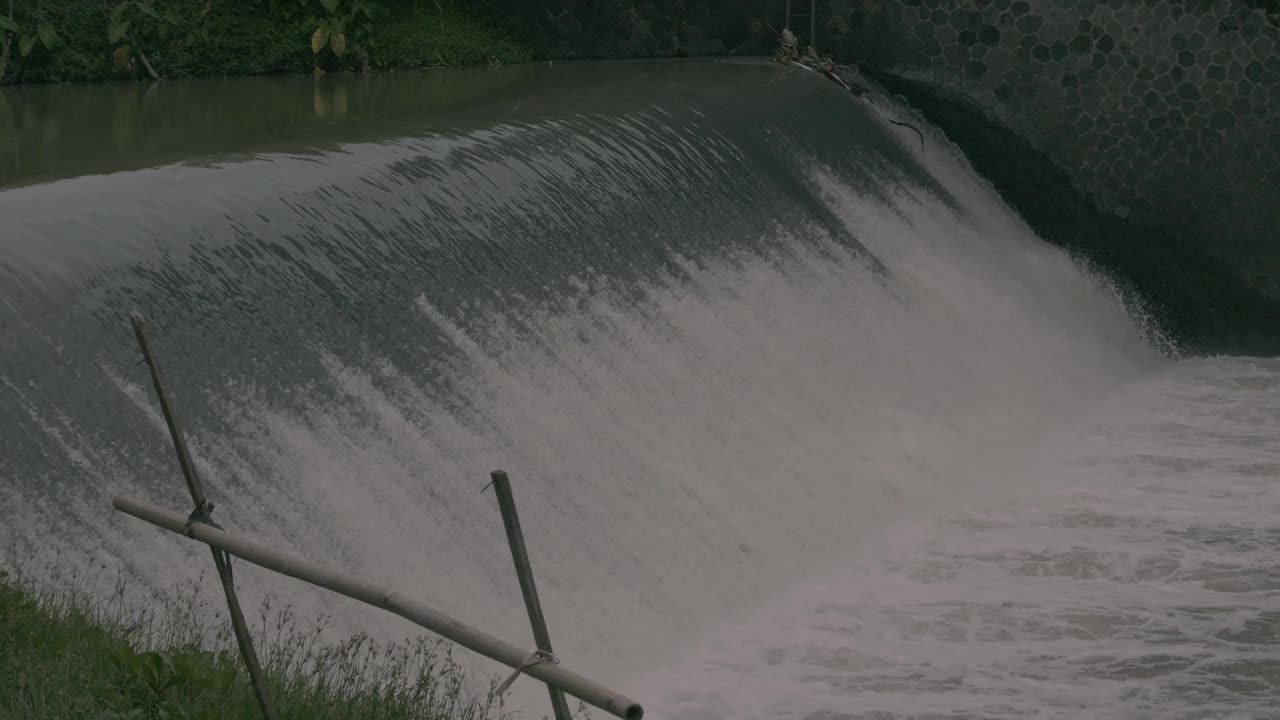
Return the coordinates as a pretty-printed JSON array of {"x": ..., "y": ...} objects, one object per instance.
[
  {"x": 80, "y": 41},
  {"x": 73, "y": 651}
]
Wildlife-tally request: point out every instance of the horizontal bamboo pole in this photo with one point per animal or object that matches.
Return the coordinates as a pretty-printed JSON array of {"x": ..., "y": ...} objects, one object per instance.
[{"x": 428, "y": 617}]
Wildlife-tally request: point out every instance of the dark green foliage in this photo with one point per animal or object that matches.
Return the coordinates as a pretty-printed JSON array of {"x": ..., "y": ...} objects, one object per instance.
[
  {"x": 611, "y": 29},
  {"x": 214, "y": 38},
  {"x": 1205, "y": 305}
]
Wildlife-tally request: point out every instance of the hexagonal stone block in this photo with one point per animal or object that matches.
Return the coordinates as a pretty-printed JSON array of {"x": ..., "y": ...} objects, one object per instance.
[
  {"x": 1222, "y": 120},
  {"x": 975, "y": 70},
  {"x": 1242, "y": 53},
  {"x": 1262, "y": 47},
  {"x": 1030, "y": 24}
]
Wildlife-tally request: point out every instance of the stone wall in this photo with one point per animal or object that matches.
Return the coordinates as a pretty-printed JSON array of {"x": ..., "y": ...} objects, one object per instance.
[{"x": 1165, "y": 111}]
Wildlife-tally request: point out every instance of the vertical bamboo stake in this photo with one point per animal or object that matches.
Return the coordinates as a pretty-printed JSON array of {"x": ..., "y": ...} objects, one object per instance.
[
  {"x": 813, "y": 24},
  {"x": 201, "y": 513},
  {"x": 788, "y": 21},
  {"x": 524, "y": 571}
]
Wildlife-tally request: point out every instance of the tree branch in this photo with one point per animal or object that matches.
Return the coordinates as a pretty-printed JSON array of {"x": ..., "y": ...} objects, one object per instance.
[
  {"x": 4, "y": 57},
  {"x": 4, "y": 54},
  {"x": 143, "y": 57}
]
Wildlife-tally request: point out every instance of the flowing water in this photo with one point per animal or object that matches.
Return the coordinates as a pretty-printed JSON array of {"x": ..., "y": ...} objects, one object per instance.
[{"x": 803, "y": 422}]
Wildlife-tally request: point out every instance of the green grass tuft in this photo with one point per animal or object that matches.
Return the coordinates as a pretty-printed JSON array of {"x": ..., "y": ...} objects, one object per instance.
[{"x": 68, "y": 652}]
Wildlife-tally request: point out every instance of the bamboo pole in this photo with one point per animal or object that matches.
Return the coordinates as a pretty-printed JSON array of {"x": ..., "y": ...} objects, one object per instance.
[
  {"x": 201, "y": 515},
  {"x": 428, "y": 617},
  {"x": 524, "y": 571},
  {"x": 813, "y": 24}
]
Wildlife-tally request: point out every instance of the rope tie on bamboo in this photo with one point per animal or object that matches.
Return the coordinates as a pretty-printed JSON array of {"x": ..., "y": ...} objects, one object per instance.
[
  {"x": 201, "y": 515},
  {"x": 536, "y": 658}
]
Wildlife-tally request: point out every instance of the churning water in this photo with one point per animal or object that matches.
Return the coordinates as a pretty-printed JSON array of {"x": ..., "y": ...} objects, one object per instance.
[{"x": 803, "y": 422}]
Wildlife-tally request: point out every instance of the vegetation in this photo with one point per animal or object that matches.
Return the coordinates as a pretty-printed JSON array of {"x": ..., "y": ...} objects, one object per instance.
[
  {"x": 56, "y": 40},
  {"x": 70, "y": 653}
]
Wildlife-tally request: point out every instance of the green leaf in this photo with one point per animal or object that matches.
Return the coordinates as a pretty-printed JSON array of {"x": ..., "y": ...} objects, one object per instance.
[
  {"x": 339, "y": 43},
  {"x": 147, "y": 8},
  {"x": 330, "y": 5},
  {"x": 118, "y": 11},
  {"x": 27, "y": 44},
  {"x": 121, "y": 56},
  {"x": 117, "y": 30},
  {"x": 9, "y": 25},
  {"x": 318, "y": 39},
  {"x": 47, "y": 34}
]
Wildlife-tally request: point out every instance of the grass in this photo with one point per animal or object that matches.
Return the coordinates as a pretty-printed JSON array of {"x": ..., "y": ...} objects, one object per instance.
[{"x": 71, "y": 651}]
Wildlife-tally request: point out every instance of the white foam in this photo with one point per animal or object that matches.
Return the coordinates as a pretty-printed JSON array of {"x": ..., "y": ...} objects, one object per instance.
[{"x": 684, "y": 455}]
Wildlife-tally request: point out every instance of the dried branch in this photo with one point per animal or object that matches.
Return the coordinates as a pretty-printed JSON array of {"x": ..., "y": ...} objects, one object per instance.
[
  {"x": 133, "y": 43},
  {"x": 913, "y": 127}
]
